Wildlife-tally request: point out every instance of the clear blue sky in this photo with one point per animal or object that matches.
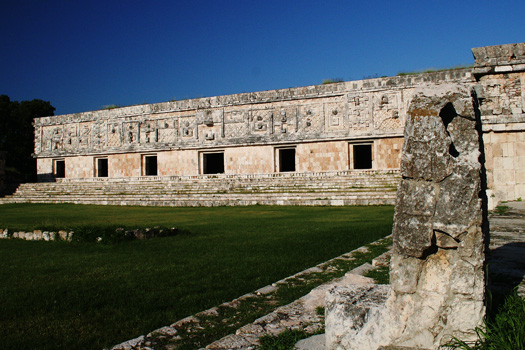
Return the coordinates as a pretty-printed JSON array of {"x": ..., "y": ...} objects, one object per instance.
[{"x": 82, "y": 55}]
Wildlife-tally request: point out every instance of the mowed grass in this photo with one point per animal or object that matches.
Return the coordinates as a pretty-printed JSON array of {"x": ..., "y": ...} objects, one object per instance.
[{"x": 60, "y": 295}]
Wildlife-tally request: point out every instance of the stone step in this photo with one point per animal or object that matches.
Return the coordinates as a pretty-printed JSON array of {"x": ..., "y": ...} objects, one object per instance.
[
  {"x": 143, "y": 190},
  {"x": 358, "y": 200},
  {"x": 226, "y": 197},
  {"x": 336, "y": 188},
  {"x": 192, "y": 191},
  {"x": 240, "y": 182},
  {"x": 163, "y": 187}
]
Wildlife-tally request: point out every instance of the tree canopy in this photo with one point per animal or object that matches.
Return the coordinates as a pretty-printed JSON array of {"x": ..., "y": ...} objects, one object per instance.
[{"x": 17, "y": 135}]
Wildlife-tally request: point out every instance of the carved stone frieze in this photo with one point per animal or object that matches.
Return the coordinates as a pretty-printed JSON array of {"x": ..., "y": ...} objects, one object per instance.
[
  {"x": 342, "y": 110},
  {"x": 387, "y": 110},
  {"x": 309, "y": 119},
  {"x": 336, "y": 118}
]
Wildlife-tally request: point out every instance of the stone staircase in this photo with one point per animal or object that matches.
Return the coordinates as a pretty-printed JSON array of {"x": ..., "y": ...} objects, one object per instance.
[{"x": 357, "y": 187}]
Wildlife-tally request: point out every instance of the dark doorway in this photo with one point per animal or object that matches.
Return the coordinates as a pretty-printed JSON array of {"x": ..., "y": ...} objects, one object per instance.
[
  {"x": 150, "y": 165},
  {"x": 362, "y": 156},
  {"x": 213, "y": 163},
  {"x": 60, "y": 168},
  {"x": 102, "y": 167},
  {"x": 287, "y": 159}
]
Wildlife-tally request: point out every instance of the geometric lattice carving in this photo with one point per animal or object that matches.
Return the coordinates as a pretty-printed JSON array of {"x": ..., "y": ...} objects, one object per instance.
[
  {"x": 236, "y": 123},
  {"x": 237, "y": 116},
  {"x": 187, "y": 126},
  {"x": 310, "y": 118},
  {"x": 391, "y": 124},
  {"x": 235, "y": 130},
  {"x": 98, "y": 130},
  {"x": 167, "y": 130},
  {"x": 261, "y": 120},
  {"x": 387, "y": 108},
  {"x": 114, "y": 132}
]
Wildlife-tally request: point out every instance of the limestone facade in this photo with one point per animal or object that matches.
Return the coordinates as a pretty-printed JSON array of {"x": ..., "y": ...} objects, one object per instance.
[{"x": 331, "y": 127}]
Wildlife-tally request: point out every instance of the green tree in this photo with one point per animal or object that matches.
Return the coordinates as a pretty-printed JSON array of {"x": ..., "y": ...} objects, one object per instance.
[{"x": 17, "y": 135}]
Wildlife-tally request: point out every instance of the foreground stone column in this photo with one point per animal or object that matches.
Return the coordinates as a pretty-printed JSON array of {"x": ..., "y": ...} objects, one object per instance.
[{"x": 436, "y": 273}]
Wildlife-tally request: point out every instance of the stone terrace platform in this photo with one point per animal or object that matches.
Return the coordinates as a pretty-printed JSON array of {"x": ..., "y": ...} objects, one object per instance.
[{"x": 357, "y": 187}]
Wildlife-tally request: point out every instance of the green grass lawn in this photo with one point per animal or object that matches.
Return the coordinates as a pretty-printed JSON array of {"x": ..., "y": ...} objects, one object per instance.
[{"x": 60, "y": 295}]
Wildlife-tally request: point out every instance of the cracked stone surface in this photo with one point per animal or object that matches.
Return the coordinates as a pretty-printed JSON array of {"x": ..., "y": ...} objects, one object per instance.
[{"x": 437, "y": 268}]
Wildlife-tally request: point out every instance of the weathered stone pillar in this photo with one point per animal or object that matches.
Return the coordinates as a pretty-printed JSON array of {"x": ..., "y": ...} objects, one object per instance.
[{"x": 437, "y": 275}]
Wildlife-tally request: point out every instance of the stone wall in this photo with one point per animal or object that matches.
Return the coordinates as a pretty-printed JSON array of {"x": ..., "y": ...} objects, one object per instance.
[
  {"x": 357, "y": 109},
  {"x": 500, "y": 73},
  {"x": 321, "y": 122},
  {"x": 257, "y": 159},
  {"x": 502, "y": 99}
]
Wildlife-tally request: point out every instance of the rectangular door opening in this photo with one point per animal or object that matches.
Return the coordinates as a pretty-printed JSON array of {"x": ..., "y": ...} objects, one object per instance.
[
  {"x": 286, "y": 159},
  {"x": 59, "y": 168},
  {"x": 150, "y": 165},
  {"x": 102, "y": 167},
  {"x": 213, "y": 163},
  {"x": 362, "y": 156}
]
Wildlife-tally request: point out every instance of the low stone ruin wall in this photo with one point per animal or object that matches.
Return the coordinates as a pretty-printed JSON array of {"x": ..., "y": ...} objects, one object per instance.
[
  {"x": 65, "y": 235},
  {"x": 37, "y": 235}
]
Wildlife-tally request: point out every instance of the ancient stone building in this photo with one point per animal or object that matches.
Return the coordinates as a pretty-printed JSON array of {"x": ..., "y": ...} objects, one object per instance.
[
  {"x": 323, "y": 128},
  {"x": 355, "y": 125}
]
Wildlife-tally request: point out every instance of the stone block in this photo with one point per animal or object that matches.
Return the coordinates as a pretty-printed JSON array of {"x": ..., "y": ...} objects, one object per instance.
[
  {"x": 412, "y": 234},
  {"x": 62, "y": 235},
  {"x": 467, "y": 315},
  {"x": 404, "y": 273},
  {"x": 435, "y": 274},
  {"x": 520, "y": 162},
  {"x": 520, "y": 191},
  {"x": 348, "y": 309},
  {"x": 508, "y": 163},
  {"x": 458, "y": 204},
  {"x": 520, "y": 148},
  {"x": 504, "y": 177},
  {"x": 425, "y": 157},
  {"x": 420, "y": 197},
  {"x": 37, "y": 235},
  {"x": 316, "y": 342}
]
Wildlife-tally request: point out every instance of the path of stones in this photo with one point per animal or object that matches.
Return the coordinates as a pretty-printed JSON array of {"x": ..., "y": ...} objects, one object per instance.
[{"x": 506, "y": 262}]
